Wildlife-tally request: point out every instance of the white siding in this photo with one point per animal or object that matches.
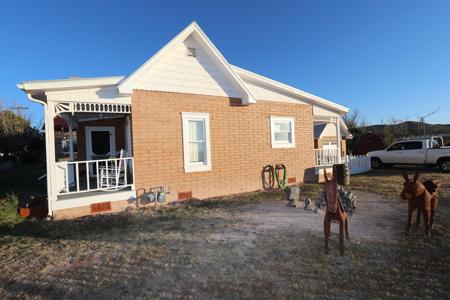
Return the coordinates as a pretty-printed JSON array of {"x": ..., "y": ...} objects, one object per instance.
[
  {"x": 321, "y": 111},
  {"x": 177, "y": 72},
  {"x": 265, "y": 93}
]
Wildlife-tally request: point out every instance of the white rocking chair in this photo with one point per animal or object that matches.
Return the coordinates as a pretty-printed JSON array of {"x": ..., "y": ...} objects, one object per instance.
[{"x": 112, "y": 176}]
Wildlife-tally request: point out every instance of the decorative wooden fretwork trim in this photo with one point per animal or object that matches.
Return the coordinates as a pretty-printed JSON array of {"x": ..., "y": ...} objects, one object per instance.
[{"x": 90, "y": 107}]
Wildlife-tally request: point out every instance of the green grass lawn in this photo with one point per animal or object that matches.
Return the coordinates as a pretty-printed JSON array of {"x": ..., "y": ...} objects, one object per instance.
[{"x": 19, "y": 183}]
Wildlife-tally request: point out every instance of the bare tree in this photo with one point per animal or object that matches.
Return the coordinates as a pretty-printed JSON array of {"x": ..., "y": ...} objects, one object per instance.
[
  {"x": 393, "y": 130},
  {"x": 356, "y": 124}
]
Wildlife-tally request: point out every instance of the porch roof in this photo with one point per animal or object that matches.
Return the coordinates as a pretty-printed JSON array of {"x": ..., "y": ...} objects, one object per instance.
[{"x": 68, "y": 83}]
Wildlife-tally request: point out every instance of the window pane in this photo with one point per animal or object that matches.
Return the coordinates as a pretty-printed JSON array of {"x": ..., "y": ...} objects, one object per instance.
[
  {"x": 282, "y": 136},
  {"x": 100, "y": 142},
  {"x": 197, "y": 152},
  {"x": 413, "y": 145},
  {"x": 396, "y": 147},
  {"x": 195, "y": 130},
  {"x": 282, "y": 126}
]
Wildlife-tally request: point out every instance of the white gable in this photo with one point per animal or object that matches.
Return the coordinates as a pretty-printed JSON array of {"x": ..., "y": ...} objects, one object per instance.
[
  {"x": 262, "y": 92},
  {"x": 172, "y": 69},
  {"x": 177, "y": 72}
]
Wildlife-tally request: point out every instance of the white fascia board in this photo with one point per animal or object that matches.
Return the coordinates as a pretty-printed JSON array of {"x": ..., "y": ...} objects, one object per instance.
[
  {"x": 89, "y": 95},
  {"x": 126, "y": 85},
  {"x": 344, "y": 129},
  {"x": 294, "y": 91},
  {"x": 74, "y": 83}
]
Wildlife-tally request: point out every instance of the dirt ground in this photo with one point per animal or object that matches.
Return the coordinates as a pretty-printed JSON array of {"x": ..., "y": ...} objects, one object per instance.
[{"x": 248, "y": 246}]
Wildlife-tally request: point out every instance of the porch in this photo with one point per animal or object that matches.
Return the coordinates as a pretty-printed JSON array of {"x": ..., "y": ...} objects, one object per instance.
[
  {"x": 94, "y": 162},
  {"x": 332, "y": 149}
]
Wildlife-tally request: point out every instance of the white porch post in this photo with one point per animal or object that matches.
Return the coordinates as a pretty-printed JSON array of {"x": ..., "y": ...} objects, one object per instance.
[
  {"x": 71, "y": 155},
  {"x": 338, "y": 137},
  {"x": 130, "y": 164},
  {"x": 128, "y": 136},
  {"x": 50, "y": 154}
]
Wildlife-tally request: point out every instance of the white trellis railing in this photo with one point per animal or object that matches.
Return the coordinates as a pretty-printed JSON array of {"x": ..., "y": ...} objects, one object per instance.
[{"x": 94, "y": 175}]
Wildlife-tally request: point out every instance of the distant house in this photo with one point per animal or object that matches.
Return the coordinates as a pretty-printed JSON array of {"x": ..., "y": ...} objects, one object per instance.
[{"x": 185, "y": 121}]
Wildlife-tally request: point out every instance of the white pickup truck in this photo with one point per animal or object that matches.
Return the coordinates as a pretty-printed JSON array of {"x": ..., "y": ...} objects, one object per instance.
[{"x": 420, "y": 151}]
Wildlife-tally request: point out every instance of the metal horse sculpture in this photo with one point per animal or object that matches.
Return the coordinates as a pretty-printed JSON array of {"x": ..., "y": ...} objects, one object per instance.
[
  {"x": 423, "y": 197},
  {"x": 335, "y": 212}
]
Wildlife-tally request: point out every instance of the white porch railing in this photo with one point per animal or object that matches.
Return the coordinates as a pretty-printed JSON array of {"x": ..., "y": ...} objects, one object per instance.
[
  {"x": 94, "y": 175},
  {"x": 329, "y": 157},
  {"x": 326, "y": 157}
]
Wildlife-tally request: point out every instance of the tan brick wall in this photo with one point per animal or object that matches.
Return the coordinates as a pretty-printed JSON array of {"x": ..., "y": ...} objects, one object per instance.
[
  {"x": 81, "y": 211},
  {"x": 240, "y": 143}
]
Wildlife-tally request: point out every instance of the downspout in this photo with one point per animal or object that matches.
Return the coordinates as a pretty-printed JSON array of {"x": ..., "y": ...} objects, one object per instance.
[{"x": 49, "y": 201}]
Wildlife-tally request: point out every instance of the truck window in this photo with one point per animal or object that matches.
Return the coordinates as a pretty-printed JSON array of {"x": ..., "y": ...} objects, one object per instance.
[
  {"x": 396, "y": 147},
  {"x": 413, "y": 145},
  {"x": 435, "y": 144}
]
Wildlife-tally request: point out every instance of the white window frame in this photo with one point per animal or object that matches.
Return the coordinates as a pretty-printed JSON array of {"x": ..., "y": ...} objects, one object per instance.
[
  {"x": 278, "y": 144},
  {"x": 199, "y": 166}
]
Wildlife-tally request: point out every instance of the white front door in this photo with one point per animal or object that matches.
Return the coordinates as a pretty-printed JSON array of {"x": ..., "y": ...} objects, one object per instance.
[
  {"x": 329, "y": 145},
  {"x": 100, "y": 143},
  {"x": 330, "y": 152}
]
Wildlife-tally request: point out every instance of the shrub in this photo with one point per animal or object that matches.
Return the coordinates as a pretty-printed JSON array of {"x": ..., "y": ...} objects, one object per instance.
[
  {"x": 18, "y": 139},
  {"x": 9, "y": 210}
]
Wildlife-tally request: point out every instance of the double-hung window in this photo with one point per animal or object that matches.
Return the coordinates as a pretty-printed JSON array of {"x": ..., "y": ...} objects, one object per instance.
[
  {"x": 282, "y": 132},
  {"x": 196, "y": 142}
]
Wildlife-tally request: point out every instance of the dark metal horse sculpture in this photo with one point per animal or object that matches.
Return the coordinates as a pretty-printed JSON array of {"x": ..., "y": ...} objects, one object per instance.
[
  {"x": 335, "y": 212},
  {"x": 423, "y": 197}
]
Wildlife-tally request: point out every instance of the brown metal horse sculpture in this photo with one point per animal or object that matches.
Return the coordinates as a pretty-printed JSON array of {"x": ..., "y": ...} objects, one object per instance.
[
  {"x": 335, "y": 212},
  {"x": 423, "y": 197}
]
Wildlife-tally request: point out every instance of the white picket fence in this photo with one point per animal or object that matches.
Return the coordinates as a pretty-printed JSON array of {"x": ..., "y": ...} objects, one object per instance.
[
  {"x": 357, "y": 164},
  {"x": 325, "y": 158}
]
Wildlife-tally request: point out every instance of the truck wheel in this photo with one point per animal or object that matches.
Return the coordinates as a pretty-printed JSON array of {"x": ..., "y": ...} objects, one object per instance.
[
  {"x": 444, "y": 165},
  {"x": 376, "y": 163}
]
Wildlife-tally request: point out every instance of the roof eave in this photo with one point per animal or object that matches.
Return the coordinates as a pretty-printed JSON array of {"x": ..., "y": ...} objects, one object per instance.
[
  {"x": 294, "y": 91},
  {"x": 66, "y": 84}
]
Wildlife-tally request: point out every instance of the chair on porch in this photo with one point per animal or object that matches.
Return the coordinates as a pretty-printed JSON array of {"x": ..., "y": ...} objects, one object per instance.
[{"x": 112, "y": 176}]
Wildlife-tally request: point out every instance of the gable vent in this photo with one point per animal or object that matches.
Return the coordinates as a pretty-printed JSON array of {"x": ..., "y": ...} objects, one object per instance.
[{"x": 191, "y": 52}]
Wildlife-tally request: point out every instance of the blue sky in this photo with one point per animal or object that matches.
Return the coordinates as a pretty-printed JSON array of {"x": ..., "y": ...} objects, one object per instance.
[{"x": 385, "y": 58}]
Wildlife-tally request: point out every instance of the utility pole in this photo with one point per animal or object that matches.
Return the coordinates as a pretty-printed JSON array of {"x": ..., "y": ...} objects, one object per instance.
[{"x": 19, "y": 109}]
